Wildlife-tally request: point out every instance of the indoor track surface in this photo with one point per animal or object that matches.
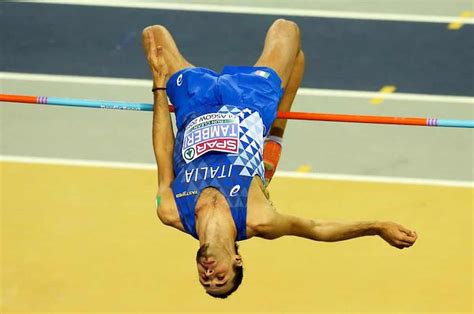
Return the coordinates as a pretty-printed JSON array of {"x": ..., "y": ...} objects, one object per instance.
[{"x": 79, "y": 232}]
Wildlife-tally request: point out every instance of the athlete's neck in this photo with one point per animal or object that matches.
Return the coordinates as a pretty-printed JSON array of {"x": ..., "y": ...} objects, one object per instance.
[{"x": 215, "y": 227}]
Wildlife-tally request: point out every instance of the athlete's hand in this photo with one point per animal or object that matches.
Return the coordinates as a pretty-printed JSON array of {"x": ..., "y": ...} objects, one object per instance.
[
  {"x": 156, "y": 59},
  {"x": 397, "y": 235}
]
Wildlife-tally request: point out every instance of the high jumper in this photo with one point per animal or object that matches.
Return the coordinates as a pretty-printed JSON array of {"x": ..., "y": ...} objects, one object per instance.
[{"x": 212, "y": 176}]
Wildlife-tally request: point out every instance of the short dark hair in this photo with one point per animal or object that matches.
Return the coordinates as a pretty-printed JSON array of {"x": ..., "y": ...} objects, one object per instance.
[{"x": 239, "y": 275}]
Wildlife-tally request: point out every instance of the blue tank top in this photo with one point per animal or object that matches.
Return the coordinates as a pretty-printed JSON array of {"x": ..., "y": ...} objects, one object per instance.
[{"x": 219, "y": 142}]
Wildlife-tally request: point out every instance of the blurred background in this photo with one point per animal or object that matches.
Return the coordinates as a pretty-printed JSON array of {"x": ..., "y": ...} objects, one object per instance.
[{"x": 396, "y": 58}]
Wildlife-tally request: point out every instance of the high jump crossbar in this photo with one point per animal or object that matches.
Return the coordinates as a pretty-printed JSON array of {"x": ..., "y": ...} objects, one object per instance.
[{"x": 120, "y": 105}]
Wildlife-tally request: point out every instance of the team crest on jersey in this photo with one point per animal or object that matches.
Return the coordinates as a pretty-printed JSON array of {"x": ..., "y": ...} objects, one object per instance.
[{"x": 211, "y": 132}]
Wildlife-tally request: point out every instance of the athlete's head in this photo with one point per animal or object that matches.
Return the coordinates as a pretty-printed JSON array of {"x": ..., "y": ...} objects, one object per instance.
[{"x": 220, "y": 273}]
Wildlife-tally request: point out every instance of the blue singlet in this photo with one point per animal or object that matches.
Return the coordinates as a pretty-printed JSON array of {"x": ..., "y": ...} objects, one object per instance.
[{"x": 222, "y": 120}]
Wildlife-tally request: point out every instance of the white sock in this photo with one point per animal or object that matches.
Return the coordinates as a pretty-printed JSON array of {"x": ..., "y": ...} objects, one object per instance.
[{"x": 274, "y": 138}]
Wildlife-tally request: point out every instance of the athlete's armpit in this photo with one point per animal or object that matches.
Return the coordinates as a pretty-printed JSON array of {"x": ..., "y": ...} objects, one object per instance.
[{"x": 167, "y": 210}]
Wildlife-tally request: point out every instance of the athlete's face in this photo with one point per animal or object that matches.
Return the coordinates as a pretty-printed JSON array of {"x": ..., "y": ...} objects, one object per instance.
[{"x": 216, "y": 272}]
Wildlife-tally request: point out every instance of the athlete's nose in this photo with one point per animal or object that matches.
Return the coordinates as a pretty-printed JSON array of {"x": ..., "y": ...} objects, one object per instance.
[{"x": 209, "y": 272}]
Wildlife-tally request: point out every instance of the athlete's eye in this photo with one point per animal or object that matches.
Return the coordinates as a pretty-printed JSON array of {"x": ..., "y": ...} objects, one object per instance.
[{"x": 220, "y": 277}]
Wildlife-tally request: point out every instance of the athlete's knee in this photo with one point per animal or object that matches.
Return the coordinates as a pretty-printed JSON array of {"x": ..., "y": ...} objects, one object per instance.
[{"x": 287, "y": 28}]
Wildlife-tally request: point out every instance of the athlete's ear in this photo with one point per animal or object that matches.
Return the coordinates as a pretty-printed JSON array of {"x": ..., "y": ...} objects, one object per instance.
[{"x": 238, "y": 260}]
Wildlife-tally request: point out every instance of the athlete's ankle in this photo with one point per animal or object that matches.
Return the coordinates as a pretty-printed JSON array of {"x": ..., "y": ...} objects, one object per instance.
[
  {"x": 271, "y": 156},
  {"x": 274, "y": 138}
]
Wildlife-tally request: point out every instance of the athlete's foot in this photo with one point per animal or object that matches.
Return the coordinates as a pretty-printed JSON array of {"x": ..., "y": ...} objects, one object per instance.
[{"x": 271, "y": 156}]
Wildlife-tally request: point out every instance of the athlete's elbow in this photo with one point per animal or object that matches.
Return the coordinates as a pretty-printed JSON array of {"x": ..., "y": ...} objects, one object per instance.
[
  {"x": 317, "y": 232},
  {"x": 164, "y": 216},
  {"x": 160, "y": 216},
  {"x": 323, "y": 235}
]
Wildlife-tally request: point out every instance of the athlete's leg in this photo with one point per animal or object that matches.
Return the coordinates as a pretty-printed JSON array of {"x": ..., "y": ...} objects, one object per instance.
[
  {"x": 283, "y": 53},
  {"x": 294, "y": 82},
  {"x": 273, "y": 143},
  {"x": 162, "y": 37}
]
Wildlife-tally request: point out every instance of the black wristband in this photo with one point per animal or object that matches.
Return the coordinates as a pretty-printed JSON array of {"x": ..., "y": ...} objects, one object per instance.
[{"x": 158, "y": 88}]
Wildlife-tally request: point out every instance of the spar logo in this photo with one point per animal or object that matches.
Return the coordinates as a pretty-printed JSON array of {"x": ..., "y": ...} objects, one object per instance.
[
  {"x": 211, "y": 132},
  {"x": 189, "y": 154},
  {"x": 223, "y": 145}
]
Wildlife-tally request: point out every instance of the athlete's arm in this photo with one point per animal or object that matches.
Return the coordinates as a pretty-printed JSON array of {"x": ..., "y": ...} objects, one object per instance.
[
  {"x": 163, "y": 136},
  {"x": 328, "y": 231},
  {"x": 163, "y": 139}
]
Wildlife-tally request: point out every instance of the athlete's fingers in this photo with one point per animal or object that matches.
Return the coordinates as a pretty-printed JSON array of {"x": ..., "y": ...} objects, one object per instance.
[
  {"x": 401, "y": 246},
  {"x": 155, "y": 56},
  {"x": 407, "y": 231},
  {"x": 404, "y": 243},
  {"x": 407, "y": 244},
  {"x": 147, "y": 37},
  {"x": 409, "y": 239},
  {"x": 149, "y": 43},
  {"x": 159, "y": 55}
]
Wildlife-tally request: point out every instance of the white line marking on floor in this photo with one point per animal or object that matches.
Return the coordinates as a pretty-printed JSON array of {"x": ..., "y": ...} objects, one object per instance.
[
  {"x": 77, "y": 162},
  {"x": 72, "y": 79},
  {"x": 394, "y": 96},
  {"x": 384, "y": 91},
  {"x": 95, "y": 80},
  {"x": 256, "y": 10},
  {"x": 282, "y": 174},
  {"x": 459, "y": 22}
]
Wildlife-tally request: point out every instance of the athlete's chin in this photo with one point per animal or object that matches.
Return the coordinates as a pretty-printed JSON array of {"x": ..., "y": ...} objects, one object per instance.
[{"x": 202, "y": 253}]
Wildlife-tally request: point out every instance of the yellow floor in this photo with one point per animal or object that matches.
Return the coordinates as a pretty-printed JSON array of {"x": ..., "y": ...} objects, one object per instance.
[{"x": 87, "y": 239}]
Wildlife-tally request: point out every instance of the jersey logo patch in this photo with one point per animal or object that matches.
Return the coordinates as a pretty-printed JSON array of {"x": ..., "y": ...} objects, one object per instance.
[
  {"x": 262, "y": 73},
  {"x": 235, "y": 189},
  {"x": 179, "y": 80},
  {"x": 211, "y": 132}
]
